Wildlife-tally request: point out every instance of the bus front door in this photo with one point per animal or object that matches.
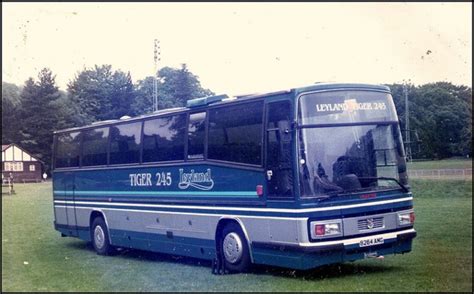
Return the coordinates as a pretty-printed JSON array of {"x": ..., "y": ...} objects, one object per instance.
[{"x": 278, "y": 160}]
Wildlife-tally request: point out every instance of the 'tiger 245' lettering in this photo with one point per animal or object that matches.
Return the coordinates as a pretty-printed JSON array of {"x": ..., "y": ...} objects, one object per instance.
[{"x": 144, "y": 179}]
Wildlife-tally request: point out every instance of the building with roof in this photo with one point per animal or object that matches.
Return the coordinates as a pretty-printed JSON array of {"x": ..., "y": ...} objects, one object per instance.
[{"x": 20, "y": 165}]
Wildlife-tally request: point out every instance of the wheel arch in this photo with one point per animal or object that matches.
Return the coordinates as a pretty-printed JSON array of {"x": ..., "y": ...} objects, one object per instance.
[
  {"x": 99, "y": 213},
  {"x": 224, "y": 221}
]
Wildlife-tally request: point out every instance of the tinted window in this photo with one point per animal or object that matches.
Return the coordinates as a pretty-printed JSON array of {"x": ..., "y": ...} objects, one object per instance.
[
  {"x": 279, "y": 157},
  {"x": 125, "y": 143},
  {"x": 196, "y": 131},
  {"x": 278, "y": 117},
  {"x": 235, "y": 133},
  {"x": 94, "y": 147},
  {"x": 163, "y": 138},
  {"x": 68, "y": 150}
]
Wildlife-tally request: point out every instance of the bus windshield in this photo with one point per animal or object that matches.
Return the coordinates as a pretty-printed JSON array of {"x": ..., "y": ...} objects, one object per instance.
[{"x": 349, "y": 146}]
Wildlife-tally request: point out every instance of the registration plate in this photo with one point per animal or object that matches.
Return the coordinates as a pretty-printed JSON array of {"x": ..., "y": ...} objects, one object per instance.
[{"x": 371, "y": 242}]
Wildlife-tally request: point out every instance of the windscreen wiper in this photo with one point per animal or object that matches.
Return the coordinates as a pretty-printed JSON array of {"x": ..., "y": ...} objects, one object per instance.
[
  {"x": 405, "y": 189},
  {"x": 332, "y": 194}
]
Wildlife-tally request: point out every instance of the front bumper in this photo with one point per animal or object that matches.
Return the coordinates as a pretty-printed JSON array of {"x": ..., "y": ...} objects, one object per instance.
[{"x": 311, "y": 255}]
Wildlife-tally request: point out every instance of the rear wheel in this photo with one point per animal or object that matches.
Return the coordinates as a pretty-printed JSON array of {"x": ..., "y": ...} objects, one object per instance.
[
  {"x": 100, "y": 237},
  {"x": 234, "y": 247}
]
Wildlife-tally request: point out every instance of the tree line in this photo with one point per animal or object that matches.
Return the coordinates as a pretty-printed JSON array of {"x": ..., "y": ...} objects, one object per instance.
[{"x": 440, "y": 113}]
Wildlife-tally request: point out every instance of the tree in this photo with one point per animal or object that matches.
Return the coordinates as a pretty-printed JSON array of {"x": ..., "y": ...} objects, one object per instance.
[
  {"x": 442, "y": 114},
  {"x": 67, "y": 115},
  {"x": 175, "y": 87},
  {"x": 11, "y": 104},
  {"x": 186, "y": 85},
  {"x": 143, "y": 102},
  {"x": 40, "y": 115},
  {"x": 101, "y": 94},
  {"x": 122, "y": 95}
]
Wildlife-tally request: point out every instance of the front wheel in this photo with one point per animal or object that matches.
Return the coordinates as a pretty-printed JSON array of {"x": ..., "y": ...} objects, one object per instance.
[
  {"x": 235, "y": 249},
  {"x": 100, "y": 237}
]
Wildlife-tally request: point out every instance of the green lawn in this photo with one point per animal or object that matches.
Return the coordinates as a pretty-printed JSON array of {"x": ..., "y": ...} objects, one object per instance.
[
  {"x": 441, "y": 164},
  {"x": 36, "y": 258}
]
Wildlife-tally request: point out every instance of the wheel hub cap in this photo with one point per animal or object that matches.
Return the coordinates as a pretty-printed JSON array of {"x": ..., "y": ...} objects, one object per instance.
[
  {"x": 232, "y": 247},
  {"x": 99, "y": 237}
]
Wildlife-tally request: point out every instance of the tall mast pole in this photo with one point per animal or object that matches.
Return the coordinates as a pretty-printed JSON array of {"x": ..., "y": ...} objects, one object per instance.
[
  {"x": 407, "y": 124},
  {"x": 155, "y": 74}
]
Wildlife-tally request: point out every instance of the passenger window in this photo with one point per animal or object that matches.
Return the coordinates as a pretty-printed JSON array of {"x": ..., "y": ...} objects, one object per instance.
[
  {"x": 196, "y": 132},
  {"x": 94, "y": 147},
  {"x": 235, "y": 133},
  {"x": 163, "y": 138},
  {"x": 125, "y": 143},
  {"x": 68, "y": 150}
]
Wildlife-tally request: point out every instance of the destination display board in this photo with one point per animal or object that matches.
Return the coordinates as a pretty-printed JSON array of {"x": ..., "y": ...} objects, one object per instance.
[{"x": 346, "y": 107}]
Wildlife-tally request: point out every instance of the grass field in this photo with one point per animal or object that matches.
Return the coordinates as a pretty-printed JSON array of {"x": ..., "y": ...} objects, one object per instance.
[
  {"x": 36, "y": 258},
  {"x": 441, "y": 164}
]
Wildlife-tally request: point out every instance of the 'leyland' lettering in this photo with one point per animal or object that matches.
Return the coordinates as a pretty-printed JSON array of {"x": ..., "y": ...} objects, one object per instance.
[{"x": 350, "y": 106}]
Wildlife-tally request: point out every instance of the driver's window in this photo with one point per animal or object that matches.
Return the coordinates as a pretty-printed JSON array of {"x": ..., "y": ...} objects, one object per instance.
[{"x": 279, "y": 159}]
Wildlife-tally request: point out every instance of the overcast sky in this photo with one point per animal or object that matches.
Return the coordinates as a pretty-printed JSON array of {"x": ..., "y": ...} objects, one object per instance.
[{"x": 238, "y": 48}]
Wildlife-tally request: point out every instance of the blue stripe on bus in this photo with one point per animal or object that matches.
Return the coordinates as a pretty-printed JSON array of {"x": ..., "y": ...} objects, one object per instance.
[{"x": 171, "y": 193}]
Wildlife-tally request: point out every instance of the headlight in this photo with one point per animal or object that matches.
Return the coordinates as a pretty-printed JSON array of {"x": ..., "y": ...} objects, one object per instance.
[{"x": 325, "y": 229}]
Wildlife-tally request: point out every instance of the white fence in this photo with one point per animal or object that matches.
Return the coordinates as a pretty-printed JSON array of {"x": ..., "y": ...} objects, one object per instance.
[{"x": 465, "y": 174}]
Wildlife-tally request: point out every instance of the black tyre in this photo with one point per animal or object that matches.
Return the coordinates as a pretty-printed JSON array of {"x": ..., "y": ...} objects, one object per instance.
[
  {"x": 100, "y": 237},
  {"x": 234, "y": 248}
]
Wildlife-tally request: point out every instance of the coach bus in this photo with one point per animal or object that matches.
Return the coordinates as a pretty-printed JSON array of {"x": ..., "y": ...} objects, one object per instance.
[{"x": 296, "y": 178}]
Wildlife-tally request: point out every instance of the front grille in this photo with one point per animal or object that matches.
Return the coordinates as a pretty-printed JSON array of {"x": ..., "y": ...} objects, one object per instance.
[{"x": 370, "y": 223}]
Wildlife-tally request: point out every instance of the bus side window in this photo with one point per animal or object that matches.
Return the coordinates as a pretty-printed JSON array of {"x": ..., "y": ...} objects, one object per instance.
[
  {"x": 279, "y": 158},
  {"x": 196, "y": 132},
  {"x": 125, "y": 143},
  {"x": 235, "y": 133},
  {"x": 94, "y": 146},
  {"x": 163, "y": 138},
  {"x": 67, "y": 150}
]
